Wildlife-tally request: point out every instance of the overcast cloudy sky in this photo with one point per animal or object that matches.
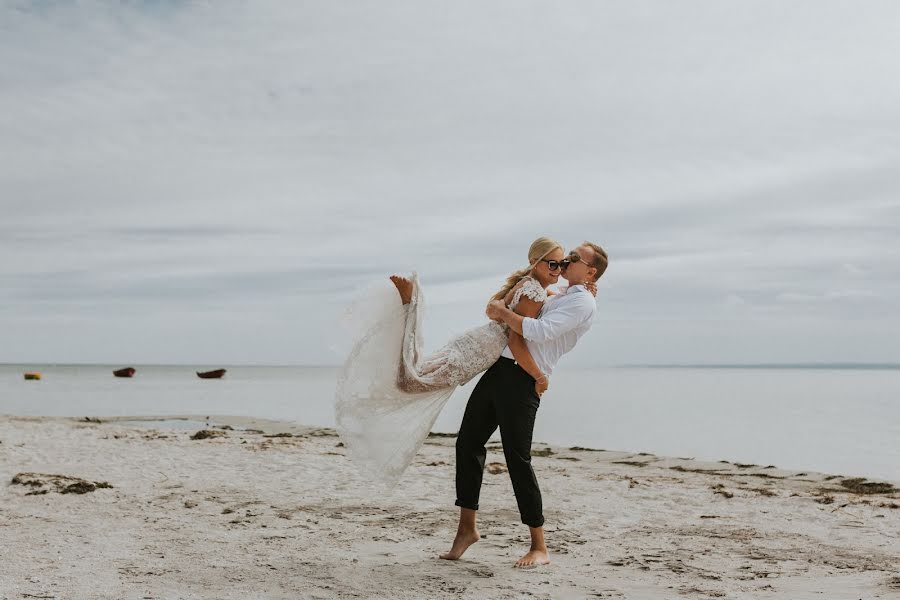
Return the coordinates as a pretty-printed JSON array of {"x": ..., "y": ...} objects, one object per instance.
[{"x": 210, "y": 182}]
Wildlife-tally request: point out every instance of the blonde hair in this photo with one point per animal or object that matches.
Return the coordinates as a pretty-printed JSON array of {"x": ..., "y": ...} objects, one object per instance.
[
  {"x": 540, "y": 248},
  {"x": 601, "y": 260}
]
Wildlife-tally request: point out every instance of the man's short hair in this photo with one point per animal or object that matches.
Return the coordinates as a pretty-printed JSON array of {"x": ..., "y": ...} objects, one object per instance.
[{"x": 600, "y": 260}]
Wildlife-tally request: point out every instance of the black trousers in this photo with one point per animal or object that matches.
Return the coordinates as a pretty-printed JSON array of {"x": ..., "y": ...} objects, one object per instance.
[{"x": 504, "y": 397}]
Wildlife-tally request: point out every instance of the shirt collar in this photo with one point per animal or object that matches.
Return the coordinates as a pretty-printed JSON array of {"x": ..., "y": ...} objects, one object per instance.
[{"x": 579, "y": 287}]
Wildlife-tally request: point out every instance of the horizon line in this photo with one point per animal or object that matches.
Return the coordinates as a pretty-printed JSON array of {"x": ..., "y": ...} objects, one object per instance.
[
  {"x": 749, "y": 365},
  {"x": 769, "y": 365}
]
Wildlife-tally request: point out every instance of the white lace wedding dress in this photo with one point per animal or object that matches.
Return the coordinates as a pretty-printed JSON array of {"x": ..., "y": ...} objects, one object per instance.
[{"x": 388, "y": 396}]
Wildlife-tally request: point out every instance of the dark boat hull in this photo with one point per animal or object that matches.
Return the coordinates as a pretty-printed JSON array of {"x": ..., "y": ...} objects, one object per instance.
[
  {"x": 217, "y": 374},
  {"x": 126, "y": 372}
]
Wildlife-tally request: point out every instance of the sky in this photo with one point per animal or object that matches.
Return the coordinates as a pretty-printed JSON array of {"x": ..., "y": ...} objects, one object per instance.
[{"x": 215, "y": 182}]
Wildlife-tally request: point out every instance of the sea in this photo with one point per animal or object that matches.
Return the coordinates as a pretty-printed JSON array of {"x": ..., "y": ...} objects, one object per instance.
[{"x": 842, "y": 420}]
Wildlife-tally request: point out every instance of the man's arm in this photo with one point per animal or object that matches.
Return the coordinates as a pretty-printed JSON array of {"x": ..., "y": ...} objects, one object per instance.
[
  {"x": 526, "y": 308},
  {"x": 497, "y": 311},
  {"x": 522, "y": 354},
  {"x": 551, "y": 325}
]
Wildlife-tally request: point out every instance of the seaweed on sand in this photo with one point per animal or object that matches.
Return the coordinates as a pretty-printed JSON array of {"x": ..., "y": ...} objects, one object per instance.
[
  {"x": 207, "y": 433},
  {"x": 859, "y": 485},
  {"x": 63, "y": 484}
]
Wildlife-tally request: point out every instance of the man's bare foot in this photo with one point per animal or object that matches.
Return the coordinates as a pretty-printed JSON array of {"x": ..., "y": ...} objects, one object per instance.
[
  {"x": 404, "y": 286},
  {"x": 461, "y": 544},
  {"x": 533, "y": 559}
]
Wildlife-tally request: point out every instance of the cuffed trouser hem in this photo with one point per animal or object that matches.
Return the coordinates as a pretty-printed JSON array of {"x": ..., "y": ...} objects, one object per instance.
[
  {"x": 538, "y": 522},
  {"x": 469, "y": 505}
]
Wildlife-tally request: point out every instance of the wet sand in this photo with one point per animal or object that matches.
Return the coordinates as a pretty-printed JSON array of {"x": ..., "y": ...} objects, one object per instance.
[{"x": 271, "y": 509}]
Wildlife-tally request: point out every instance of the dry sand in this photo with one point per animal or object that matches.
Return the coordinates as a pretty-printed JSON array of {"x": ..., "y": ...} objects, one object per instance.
[{"x": 242, "y": 515}]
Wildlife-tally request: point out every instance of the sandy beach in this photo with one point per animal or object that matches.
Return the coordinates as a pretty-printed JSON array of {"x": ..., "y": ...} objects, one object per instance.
[{"x": 265, "y": 509}]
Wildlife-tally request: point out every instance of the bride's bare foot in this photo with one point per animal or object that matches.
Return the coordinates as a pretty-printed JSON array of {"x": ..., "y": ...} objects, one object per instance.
[
  {"x": 404, "y": 286},
  {"x": 461, "y": 544},
  {"x": 533, "y": 559}
]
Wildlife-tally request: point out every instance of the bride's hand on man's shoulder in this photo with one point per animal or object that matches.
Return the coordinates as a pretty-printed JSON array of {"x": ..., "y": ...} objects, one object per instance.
[{"x": 591, "y": 286}]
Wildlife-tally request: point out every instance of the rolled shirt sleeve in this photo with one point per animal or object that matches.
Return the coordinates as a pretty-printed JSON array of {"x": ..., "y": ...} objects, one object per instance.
[{"x": 558, "y": 322}]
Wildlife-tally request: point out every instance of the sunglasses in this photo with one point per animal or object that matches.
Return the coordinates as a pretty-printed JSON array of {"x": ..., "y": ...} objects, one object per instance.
[
  {"x": 555, "y": 265},
  {"x": 571, "y": 259}
]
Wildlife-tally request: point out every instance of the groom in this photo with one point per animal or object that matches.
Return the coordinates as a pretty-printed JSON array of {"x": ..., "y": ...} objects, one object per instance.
[{"x": 505, "y": 396}]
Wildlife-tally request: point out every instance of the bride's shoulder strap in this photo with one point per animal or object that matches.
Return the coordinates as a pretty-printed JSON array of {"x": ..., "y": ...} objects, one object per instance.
[{"x": 529, "y": 288}]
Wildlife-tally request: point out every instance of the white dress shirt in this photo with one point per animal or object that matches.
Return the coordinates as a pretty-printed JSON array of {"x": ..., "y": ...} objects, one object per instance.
[{"x": 564, "y": 318}]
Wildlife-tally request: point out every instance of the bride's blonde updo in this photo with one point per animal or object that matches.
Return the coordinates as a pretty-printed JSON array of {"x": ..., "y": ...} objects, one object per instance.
[{"x": 540, "y": 248}]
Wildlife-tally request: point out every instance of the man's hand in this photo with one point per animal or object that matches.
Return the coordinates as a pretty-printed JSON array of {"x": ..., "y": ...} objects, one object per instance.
[
  {"x": 495, "y": 310},
  {"x": 541, "y": 386}
]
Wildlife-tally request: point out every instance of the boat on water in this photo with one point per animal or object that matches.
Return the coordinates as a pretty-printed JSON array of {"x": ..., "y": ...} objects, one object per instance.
[
  {"x": 216, "y": 374},
  {"x": 33, "y": 376},
  {"x": 126, "y": 372}
]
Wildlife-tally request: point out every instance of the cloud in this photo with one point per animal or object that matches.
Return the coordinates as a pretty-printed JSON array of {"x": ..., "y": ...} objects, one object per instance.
[{"x": 224, "y": 169}]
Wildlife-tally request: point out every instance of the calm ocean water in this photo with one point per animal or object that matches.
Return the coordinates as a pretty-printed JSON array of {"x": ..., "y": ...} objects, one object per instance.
[{"x": 841, "y": 421}]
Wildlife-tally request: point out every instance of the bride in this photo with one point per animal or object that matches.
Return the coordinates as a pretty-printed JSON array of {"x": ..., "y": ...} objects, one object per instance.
[{"x": 385, "y": 410}]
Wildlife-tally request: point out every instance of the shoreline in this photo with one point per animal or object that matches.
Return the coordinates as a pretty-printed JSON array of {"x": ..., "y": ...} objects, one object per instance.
[
  {"x": 275, "y": 509},
  {"x": 280, "y": 426}
]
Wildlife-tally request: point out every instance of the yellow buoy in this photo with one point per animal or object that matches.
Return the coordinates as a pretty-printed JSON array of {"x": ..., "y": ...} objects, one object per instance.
[{"x": 33, "y": 375}]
